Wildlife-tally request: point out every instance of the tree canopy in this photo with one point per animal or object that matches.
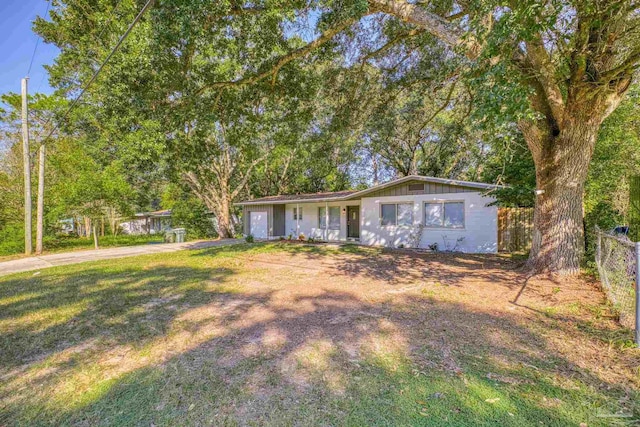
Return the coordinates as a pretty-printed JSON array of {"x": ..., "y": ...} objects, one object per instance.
[{"x": 233, "y": 99}]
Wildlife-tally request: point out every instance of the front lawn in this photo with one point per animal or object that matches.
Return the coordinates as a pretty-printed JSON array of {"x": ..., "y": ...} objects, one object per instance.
[{"x": 276, "y": 334}]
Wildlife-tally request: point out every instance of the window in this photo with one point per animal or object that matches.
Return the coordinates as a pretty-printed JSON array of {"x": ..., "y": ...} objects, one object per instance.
[
  {"x": 322, "y": 218},
  {"x": 388, "y": 214},
  {"x": 297, "y": 215},
  {"x": 396, "y": 214},
  {"x": 444, "y": 214},
  {"x": 405, "y": 214},
  {"x": 416, "y": 187},
  {"x": 334, "y": 218}
]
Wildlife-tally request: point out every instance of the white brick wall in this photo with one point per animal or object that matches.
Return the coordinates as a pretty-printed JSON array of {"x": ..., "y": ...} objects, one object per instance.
[
  {"x": 309, "y": 223},
  {"x": 480, "y": 232}
]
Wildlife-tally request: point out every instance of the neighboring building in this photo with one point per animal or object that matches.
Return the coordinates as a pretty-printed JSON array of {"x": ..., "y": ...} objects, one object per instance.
[
  {"x": 148, "y": 223},
  {"x": 411, "y": 211}
]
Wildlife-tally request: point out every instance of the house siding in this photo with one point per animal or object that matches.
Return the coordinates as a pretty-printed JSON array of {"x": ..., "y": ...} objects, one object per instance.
[
  {"x": 246, "y": 217},
  {"x": 480, "y": 232},
  {"x": 429, "y": 188},
  {"x": 309, "y": 224}
]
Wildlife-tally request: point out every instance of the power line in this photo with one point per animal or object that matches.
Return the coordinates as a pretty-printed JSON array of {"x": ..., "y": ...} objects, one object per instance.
[
  {"x": 95, "y": 75},
  {"x": 35, "y": 48}
]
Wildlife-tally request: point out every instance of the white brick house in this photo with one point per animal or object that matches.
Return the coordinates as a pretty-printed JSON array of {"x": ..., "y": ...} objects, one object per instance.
[{"x": 455, "y": 215}]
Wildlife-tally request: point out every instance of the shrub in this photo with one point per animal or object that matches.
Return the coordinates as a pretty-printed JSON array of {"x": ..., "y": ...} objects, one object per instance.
[
  {"x": 12, "y": 239},
  {"x": 249, "y": 238}
]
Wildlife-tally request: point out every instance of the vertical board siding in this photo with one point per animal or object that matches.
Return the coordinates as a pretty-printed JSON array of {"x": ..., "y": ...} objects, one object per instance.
[
  {"x": 429, "y": 188},
  {"x": 246, "y": 217},
  {"x": 515, "y": 229}
]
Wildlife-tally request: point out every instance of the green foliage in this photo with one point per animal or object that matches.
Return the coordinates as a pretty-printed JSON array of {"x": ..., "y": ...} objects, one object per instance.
[
  {"x": 188, "y": 212},
  {"x": 615, "y": 161},
  {"x": 249, "y": 238},
  {"x": 12, "y": 241},
  {"x": 83, "y": 187},
  {"x": 12, "y": 238},
  {"x": 510, "y": 163}
]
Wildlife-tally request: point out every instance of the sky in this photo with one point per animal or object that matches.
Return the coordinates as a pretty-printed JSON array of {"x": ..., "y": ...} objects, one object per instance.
[{"x": 17, "y": 41}]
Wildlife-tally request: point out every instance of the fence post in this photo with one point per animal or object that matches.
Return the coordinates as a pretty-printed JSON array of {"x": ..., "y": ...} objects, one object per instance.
[{"x": 638, "y": 294}]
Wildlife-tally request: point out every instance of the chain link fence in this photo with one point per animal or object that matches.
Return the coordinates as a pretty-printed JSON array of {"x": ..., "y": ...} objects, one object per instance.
[{"x": 617, "y": 261}]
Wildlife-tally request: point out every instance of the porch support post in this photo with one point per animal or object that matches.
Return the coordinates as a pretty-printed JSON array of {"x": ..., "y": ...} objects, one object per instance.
[
  {"x": 297, "y": 219},
  {"x": 326, "y": 222}
]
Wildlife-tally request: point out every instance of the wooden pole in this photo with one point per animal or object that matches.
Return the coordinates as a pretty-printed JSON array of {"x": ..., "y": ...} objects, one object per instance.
[
  {"x": 27, "y": 169},
  {"x": 40, "y": 207}
]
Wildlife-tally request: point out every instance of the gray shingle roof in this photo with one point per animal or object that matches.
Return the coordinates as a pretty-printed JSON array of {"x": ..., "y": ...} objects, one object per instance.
[
  {"x": 307, "y": 197},
  {"x": 346, "y": 195}
]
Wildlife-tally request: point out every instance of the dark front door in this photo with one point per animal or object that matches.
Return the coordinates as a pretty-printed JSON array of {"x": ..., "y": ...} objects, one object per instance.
[{"x": 353, "y": 222}]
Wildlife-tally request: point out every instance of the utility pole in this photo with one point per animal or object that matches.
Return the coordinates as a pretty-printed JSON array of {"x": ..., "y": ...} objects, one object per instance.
[
  {"x": 40, "y": 207},
  {"x": 27, "y": 169}
]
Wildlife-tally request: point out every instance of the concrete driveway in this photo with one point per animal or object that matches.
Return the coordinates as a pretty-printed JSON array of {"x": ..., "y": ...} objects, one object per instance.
[{"x": 53, "y": 260}]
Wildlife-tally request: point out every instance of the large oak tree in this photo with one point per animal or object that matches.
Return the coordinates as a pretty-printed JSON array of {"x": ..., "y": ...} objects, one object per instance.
[
  {"x": 558, "y": 68},
  {"x": 574, "y": 60}
]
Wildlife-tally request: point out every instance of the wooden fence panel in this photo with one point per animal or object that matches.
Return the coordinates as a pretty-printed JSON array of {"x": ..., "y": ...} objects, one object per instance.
[{"x": 515, "y": 229}]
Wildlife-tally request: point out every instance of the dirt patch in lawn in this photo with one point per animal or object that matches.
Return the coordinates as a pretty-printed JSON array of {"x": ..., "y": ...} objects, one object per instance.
[{"x": 289, "y": 334}]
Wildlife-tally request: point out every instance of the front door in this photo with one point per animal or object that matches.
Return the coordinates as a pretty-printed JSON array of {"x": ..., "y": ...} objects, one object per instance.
[{"x": 353, "y": 222}]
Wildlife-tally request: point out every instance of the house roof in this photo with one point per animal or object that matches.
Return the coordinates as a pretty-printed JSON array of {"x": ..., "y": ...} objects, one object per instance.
[
  {"x": 352, "y": 194},
  {"x": 161, "y": 213},
  {"x": 329, "y": 195}
]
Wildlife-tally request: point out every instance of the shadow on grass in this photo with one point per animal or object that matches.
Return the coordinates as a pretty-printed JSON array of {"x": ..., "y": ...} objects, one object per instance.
[
  {"x": 50, "y": 313},
  {"x": 391, "y": 266},
  {"x": 325, "y": 357}
]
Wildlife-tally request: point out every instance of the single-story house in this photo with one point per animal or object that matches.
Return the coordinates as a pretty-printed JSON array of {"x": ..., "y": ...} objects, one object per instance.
[
  {"x": 148, "y": 223},
  {"x": 414, "y": 211}
]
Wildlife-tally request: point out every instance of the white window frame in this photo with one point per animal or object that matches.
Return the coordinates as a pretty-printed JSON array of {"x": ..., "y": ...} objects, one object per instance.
[
  {"x": 327, "y": 216},
  {"x": 297, "y": 214},
  {"x": 396, "y": 222},
  {"x": 443, "y": 203},
  {"x": 324, "y": 215},
  {"x": 329, "y": 225}
]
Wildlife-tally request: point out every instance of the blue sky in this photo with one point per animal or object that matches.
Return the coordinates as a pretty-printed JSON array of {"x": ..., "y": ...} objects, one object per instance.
[{"x": 17, "y": 41}]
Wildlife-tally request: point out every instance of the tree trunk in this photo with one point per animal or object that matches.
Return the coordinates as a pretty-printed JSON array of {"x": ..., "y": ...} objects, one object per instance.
[
  {"x": 95, "y": 235},
  {"x": 87, "y": 227},
  {"x": 562, "y": 163},
  {"x": 223, "y": 215}
]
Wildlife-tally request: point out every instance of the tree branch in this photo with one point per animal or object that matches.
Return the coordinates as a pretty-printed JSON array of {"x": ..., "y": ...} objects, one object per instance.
[
  {"x": 545, "y": 73},
  {"x": 247, "y": 175},
  {"x": 435, "y": 24},
  {"x": 282, "y": 61}
]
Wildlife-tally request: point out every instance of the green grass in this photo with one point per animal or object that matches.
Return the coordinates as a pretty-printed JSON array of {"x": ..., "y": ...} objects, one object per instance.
[
  {"x": 223, "y": 337},
  {"x": 53, "y": 244}
]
